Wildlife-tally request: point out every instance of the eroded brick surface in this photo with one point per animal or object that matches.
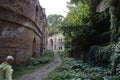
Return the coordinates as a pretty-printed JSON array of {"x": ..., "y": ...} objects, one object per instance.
[{"x": 23, "y": 30}]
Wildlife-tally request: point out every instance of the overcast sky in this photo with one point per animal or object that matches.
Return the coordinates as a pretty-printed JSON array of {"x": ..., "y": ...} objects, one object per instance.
[{"x": 54, "y": 6}]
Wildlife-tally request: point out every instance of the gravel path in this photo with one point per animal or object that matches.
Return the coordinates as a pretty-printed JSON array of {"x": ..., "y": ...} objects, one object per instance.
[{"x": 43, "y": 72}]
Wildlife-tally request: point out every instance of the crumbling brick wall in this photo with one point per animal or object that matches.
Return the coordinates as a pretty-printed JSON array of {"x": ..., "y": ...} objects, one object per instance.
[{"x": 23, "y": 30}]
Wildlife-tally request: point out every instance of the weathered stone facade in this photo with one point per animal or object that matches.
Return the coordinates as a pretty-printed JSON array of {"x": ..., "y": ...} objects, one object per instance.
[
  {"x": 23, "y": 29},
  {"x": 55, "y": 42}
]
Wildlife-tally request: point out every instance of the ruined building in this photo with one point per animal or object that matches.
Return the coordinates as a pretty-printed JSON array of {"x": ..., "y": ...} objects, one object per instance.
[
  {"x": 56, "y": 42},
  {"x": 23, "y": 30}
]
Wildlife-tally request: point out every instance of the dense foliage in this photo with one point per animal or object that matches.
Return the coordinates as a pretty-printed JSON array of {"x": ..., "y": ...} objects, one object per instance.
[
  {"x": 77, "y": 70},
  {"x": 75, "y": 24},
  {"x": 115, "y": 19},
  {"x": 93, "y": 38},
  {"x": 83, "y": 28},
  {"x": 72, "y": 69}
]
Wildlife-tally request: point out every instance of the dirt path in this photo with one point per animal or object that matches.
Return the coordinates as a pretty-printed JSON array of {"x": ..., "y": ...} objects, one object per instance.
[{"x": 43, "y": 72}]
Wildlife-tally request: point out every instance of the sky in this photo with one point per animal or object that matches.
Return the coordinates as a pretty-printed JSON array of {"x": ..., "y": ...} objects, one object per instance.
[{"x": 54, "y": 6}]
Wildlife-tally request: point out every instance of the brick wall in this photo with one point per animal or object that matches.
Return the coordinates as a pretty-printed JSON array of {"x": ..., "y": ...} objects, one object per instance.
[{"x": 23, "y": 29}]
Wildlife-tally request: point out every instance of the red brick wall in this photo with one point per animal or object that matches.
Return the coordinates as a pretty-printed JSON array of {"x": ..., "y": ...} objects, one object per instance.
[{"x": 22, "y": 27}]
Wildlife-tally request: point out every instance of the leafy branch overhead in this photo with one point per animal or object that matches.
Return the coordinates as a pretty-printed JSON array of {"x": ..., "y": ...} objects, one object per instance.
[{"x": 54, "y": 22}]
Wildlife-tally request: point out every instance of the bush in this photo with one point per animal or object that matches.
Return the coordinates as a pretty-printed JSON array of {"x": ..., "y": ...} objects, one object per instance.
[
  {"x": 43, "y": 60},
  {"x": 46, "y": 58},
  {"x": 99, "y": 55},
  {"x": 116, "y": 77},
  {"x": 60, "y": 52},
  {"x": 112, "y": 78}
]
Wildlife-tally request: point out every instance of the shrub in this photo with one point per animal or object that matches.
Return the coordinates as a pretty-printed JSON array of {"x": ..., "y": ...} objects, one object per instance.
[
  {"x": 72, "y": 69},
  {"x": 99, "y": 55}
]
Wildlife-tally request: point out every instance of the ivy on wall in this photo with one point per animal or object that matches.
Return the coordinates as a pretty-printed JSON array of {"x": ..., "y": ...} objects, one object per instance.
[
  {"x": 114, "y": 20},
  {"x": 114, "y": 11}
]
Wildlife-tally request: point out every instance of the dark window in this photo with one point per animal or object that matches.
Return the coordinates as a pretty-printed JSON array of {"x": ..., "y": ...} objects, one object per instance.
[{"x": 36, "y": 8}]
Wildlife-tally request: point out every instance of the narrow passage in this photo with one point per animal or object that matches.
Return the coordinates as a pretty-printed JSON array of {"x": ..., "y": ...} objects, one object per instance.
[{"x": 43, "y": 72}]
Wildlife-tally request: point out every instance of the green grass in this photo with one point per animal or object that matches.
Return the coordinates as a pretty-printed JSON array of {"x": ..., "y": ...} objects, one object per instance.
[{"x": 35, "y": 65}]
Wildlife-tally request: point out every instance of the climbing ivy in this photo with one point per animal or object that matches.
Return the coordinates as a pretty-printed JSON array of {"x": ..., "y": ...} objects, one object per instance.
[{"x": 114, "y": 20}]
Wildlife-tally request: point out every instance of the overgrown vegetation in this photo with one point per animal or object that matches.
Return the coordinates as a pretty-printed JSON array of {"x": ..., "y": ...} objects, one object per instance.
[
  {"x": 101, "y": 55},
  {"x": 115, "y": 34},
  {"x": 115, "y": 19},
  {"x": 72, "y": 69},
  {"x": 91, "y": 36},
  {"x": 34, "y": 65},
  {"x": 91, "y": 41},
  {"x": 76, "y": 29},
  {"x": 86, "y": 28}
]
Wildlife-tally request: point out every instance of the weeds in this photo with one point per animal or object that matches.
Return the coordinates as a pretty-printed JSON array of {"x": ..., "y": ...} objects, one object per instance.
[{"x": 72, "y": 69}]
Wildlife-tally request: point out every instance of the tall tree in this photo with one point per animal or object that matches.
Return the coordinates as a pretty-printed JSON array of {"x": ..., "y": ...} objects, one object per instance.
[
  {"x": 76, "y": 30},
  {"x": 54, "y": 22}
]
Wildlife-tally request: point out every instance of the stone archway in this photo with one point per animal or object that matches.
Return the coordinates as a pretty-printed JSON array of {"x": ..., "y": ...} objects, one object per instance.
[
  {"x": 51, "y": 44},
  {"x": 59, "y": 43},
  {"x": 55, "y": 43}
]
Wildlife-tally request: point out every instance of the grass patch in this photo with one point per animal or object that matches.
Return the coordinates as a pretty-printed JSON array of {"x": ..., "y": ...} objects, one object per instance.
[{"x": 34, "y": 65}]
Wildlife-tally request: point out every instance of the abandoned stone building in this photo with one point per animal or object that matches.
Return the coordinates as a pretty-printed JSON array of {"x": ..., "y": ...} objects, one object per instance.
[
  {"x": 23, "y": 30},
  {"x": 55, "y": 42}
]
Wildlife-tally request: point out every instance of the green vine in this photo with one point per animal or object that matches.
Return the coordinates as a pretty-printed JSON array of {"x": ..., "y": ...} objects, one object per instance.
[
  {"x": 114, "y": 11},
  {"x": 114, "y": 20}
]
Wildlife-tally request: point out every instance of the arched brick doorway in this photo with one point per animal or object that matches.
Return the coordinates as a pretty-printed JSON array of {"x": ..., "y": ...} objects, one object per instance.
[
  {"x": 51, "y": 44},
  {"x": 34, "y": 48}
]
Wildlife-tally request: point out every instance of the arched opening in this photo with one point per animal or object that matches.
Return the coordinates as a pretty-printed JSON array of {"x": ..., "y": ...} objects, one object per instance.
[
  {"x": 55, "y": 43},
  {"x": 59, "y": 43},
  {"x": 55, "y": 47},
  {"x": 51, "y": 44},
  {"x": 34, "y": 48},
  {"x": 59, "y": 40}
]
